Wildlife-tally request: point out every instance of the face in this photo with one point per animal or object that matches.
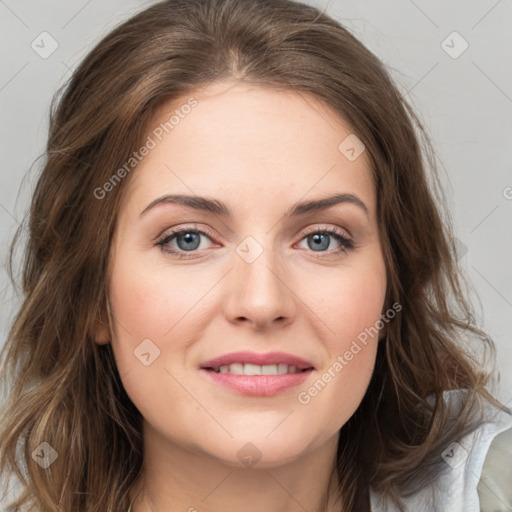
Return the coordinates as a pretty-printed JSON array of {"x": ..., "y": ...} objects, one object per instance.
[{"x": 265, "y": 276}]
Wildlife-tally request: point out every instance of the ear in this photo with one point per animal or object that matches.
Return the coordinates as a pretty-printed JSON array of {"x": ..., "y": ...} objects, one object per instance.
[
  {"x": 383, "y": 332},
  {"x": 102, "y": 334}
]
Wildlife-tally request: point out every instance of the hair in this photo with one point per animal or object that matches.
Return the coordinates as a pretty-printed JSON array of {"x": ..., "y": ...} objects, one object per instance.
[{"x": 63, "y": 388}]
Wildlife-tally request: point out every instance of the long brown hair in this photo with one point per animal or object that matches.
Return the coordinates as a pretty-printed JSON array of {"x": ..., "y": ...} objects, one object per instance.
[{"x": 64, "y": 389}]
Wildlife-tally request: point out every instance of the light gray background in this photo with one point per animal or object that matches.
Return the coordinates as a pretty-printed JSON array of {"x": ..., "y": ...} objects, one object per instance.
[{"x": 465, "y": 103}]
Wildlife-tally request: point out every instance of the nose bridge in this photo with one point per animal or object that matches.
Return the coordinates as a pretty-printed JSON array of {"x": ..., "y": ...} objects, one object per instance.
[{"x": 259, "y": 292}]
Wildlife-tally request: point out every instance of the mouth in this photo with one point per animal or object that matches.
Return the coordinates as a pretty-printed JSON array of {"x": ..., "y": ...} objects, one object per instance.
[
  {"x": 254, "y": 363},
  {"x": 250, "y": 373},
  {"x": 255, "y": 369}
]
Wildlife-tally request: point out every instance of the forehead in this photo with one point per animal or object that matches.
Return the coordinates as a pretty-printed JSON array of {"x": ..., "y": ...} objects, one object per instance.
[{"x": 247, "y": 141}]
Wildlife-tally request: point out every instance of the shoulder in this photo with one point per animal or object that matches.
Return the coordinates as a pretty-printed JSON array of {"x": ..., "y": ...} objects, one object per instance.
[
  {"x": 477, "y": 481},
  {"x": 479, "y": 476},
  {"x": 495, "y": 485}
]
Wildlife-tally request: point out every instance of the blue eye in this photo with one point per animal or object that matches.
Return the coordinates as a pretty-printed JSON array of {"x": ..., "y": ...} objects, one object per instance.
[
  {"x": 188, "y": 241},
  {"x": 320, "y": 240}
]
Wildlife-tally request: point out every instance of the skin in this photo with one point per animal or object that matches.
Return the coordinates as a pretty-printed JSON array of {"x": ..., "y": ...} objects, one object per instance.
[{"x": 259, "y": 151}]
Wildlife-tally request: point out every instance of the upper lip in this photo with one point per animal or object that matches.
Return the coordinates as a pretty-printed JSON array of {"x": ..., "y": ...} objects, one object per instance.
[{"x": 259, "y": 359}]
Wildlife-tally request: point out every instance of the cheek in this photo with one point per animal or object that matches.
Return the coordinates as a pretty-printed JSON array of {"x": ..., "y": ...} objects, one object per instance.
[
  {"x": 152, "y": 331},
  {"x": 168, "y": 307},
  {"x": 148, "y": 297},
  {"x": 353, "y": 312},
  {"x": 146, "y": 306},
  {"x": 352, "y": 302}
]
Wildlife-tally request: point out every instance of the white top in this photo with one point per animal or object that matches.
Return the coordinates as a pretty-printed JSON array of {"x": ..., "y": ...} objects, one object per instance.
[{"x": 464, "y": 486}]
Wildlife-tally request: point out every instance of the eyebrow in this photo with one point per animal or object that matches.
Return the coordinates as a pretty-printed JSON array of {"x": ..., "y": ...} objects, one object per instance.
[{"x": 219, "y": 208}]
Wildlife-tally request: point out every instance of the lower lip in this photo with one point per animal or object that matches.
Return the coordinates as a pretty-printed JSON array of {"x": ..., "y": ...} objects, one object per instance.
[{"x": 258, "y": 385}]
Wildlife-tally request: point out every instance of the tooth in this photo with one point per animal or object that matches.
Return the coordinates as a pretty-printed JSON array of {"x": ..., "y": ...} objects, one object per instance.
[
  {"x": 269, "y": 369},
  {"x": 236, "y": 368},
  {"x": 282, "y": 368},
  {"x": 255, "y": 369},
  {"x": 252, "y": 369}
]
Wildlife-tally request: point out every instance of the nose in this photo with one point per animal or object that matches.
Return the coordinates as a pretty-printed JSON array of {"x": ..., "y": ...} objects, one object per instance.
[{"x": 260, "y": 293}]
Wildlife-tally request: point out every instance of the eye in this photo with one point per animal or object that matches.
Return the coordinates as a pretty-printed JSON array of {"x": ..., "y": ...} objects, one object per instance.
[
  {"x": 187, "y": 240},
  {"x": 320, "y": 239}
]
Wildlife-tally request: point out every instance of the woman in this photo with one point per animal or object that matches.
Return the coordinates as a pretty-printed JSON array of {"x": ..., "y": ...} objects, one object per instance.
[{"x": 239, "y": 290}]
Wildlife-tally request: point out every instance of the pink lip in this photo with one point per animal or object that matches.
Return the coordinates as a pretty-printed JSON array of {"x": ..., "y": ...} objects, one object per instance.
[
  {"x": 259, "y": 359},
  {"x": 258, "y": 385}
]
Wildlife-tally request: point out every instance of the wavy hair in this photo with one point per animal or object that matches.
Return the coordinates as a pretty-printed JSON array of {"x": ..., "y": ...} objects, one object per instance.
[{"x": 62, "y": 388}]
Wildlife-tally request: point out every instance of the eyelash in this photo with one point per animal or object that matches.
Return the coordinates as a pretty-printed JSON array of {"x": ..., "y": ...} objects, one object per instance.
[{"x": 346, "y": 244}]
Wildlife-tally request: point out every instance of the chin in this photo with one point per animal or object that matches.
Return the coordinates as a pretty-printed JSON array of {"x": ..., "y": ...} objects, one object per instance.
[{"x": 257, "y": 451}]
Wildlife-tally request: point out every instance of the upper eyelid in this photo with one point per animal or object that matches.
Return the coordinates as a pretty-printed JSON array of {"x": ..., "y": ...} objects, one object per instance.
[
  {"x": 338, "y": 229},
  {"x": 177, "y": 231}
]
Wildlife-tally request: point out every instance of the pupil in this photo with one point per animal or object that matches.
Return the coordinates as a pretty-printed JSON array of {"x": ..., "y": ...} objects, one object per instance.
[{"x": 318, "y": 241}]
